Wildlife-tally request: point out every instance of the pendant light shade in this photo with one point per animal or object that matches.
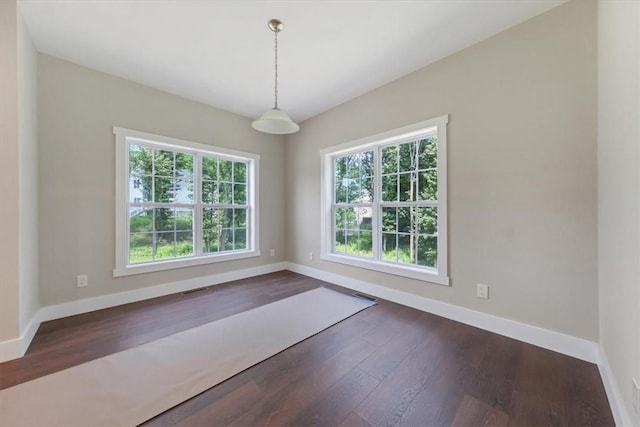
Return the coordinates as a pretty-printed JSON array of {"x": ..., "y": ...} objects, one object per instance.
[{"x": 275, "y": 121}]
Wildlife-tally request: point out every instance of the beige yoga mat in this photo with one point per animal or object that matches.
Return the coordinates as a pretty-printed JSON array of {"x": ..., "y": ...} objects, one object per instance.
[{"x": 132, "y": 386}]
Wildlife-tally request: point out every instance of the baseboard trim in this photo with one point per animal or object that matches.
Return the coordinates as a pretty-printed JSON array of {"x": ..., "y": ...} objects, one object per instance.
[
  {"x": 620, "y": 414},
  {"x": 17, "y": 347},
  {"x": 11, "y": 349},
  {"x": 562, "y": 343}
]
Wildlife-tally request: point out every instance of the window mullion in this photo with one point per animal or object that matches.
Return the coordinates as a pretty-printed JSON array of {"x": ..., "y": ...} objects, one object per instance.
[
  {"x": 197, "y": 198},
  {"x": 376, "y": 235}
]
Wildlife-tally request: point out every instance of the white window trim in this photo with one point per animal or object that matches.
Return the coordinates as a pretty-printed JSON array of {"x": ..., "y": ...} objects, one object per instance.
[
  {"x": 395, "y": 136},
  {"x": 122, "y": 268}
]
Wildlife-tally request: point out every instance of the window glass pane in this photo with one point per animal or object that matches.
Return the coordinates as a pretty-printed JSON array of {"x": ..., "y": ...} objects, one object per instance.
[
  {"x": 428, "y": 154},
  {"x": 353, "y": 166},
  {"x": 210, "y": 240},
  {"x": 352, "y": 242},
  {"x": 240, "y": 218},
  {"x": 389, "y": 219},
  {"x": 351, "y": 219},
  {"x": 226, "y": 218},
  {"x": 209, "y": 168},
  {"x": 184, "y": 243},
  {"x": 407, "y": 156},
  {"x": 353, "y": 191},
  {"x": 367, "y": 190},
  {"x": 341, "y": 190},
  {"x": 366, "y": 164},
  {"x": 140, "y": 220},
  {"x": 140, "y": 247},
  {"x": 341, "y": 237},
  {"x": 225, "y": 169},
  {"x": 427, "y": 251},
  {"x": 389, "y": 247},
  {"x": 406, "y": 254},
  {"x": 184, "y": 191},
  {"x": 163, "y": 191},
  {"x": 364, "y": 218},
  {"x": 239, "y": 194},
  {"x": 225, "y": 193},
  {"x": 164, "y": 219},
  {"x": 428, "y": 185},
  {"x": 184, "y": 219},
  {"x": 340, "y": 177},
  {"x": 240, "y": 239},
  {"x": 163, "y": 163},
  {"x": 405, "y": 220},
  {"x": 407, "y": 187},
  {"x": 239, "y": 172},
  {"x": 340, "y": 168},
  {"x": 140, "y": 160},
  {"x": 209, "y": 192},
  {"x": 226, "y": 239},
  {"x": 389, "y": 188},
  {"x": 210, "y": 218},
  {"x": 140, "y": 188},
  {"x": 390, "y": 159},
  {"x": 366, "y": 244},
  {"x": 165, "y": 245},
  {"x": 427, "y": 221},
  {"x": 184, "y": 166}
]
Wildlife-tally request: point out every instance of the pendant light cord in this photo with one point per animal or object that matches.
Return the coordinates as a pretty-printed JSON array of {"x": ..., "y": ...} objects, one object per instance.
[{"x": 276, "y": 73}]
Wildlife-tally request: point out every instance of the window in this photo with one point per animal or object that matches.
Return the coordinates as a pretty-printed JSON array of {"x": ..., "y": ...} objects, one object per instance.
[
  {"x": 180, "y": 203},
  {"x": 384, "y": 202}
]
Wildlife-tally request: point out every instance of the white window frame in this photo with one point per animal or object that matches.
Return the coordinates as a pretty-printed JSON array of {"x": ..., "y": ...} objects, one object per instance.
[
  {"x": 439, "y": 275},
  {"x": 122, "y": 267}
]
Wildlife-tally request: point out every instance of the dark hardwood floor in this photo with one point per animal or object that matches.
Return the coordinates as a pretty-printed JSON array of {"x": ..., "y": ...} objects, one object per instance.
[{"x": 387, "y": 365}]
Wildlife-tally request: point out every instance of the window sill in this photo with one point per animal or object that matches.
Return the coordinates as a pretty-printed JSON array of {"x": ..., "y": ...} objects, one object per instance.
[
  {"x": 180, "y": 263},
  {"x": 384, "y": 267}
]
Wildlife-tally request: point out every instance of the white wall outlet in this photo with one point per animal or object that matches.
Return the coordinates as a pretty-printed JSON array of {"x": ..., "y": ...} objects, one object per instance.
[
  {"x": 483, "y": 291},
  {"x": 272, "y": 252},
  {"x": 82, "y": 281},
  {"x": 311, "y": 256},
  {"x": 636, "y": 396}
]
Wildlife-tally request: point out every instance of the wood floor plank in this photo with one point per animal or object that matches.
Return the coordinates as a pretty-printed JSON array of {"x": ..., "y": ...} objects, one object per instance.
[
  {"x": 387, "y": 365},
  {"x": 354, "y": 420},
  {"x": 289, "y": 398},
  {"x": 338, "y": 401},
  {"x": 473, "y": 412},
  {"x": 388, "y": 402}
]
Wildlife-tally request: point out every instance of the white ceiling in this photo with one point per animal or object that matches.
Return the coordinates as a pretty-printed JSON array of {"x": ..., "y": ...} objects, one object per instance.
[{"x": 221, "y": 52}]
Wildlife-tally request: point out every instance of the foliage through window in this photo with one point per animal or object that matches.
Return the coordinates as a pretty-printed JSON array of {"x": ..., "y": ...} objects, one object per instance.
[
  {"x": 385, "y": 200},
  {"x": 184, "y": 202}
]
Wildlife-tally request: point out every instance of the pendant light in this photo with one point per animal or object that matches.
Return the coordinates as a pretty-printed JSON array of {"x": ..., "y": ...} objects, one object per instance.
[{"x": 275, "y": 120}]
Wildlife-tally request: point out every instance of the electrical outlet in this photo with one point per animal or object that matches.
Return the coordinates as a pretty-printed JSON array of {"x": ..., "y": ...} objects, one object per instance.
[
  {"x": 82, "y": 281},
  {"x": 482, "y": 291},
  {"x": 636, "y": 396},
  {"x": 272, "y": 252},
  {"x": 311, "y": 256}
]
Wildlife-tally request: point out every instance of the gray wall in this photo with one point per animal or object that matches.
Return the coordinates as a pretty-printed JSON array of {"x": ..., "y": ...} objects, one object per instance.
[
  {"x": 9, "y": 288},
  {"x": 27, "y": 175},
  {"x": 522, "y": 170},
  {"x": 77, "y": 108},
  {"x": 619, "y": 191}
]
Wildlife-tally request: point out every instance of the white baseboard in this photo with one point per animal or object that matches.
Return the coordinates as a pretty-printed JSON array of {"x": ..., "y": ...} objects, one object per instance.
[
  {"x": 620, "y": 414},
  {"x": 11, "y": 349},
  {"x": 562, "y": 343},
  {"x": 15, "y": 348}
]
